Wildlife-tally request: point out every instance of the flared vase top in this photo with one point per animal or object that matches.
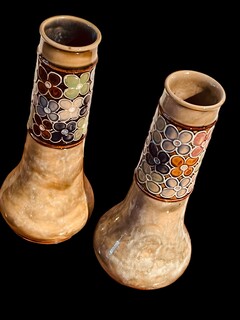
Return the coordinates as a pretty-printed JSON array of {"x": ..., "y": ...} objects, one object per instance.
[
  {"x": 69, "y": 41},
  {"x": 192, "y": 98}
]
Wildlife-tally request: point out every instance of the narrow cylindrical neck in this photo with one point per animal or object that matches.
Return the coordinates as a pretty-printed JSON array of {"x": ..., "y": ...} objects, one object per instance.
[
  {"x": 63, "y": 81},
  {"x": 179, "y": 135}
]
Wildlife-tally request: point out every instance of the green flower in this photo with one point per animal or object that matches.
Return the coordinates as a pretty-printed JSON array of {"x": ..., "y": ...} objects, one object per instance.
[
  {"x": 76, "y": 85},
  {"x": 81, "y": 131}
]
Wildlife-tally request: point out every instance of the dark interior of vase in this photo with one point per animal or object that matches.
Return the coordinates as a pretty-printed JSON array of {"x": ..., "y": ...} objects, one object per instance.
[
  {"x": 70, "y": 32},
  {"x": 196, "y": 91},
  {"x": 205, "y": 97}
]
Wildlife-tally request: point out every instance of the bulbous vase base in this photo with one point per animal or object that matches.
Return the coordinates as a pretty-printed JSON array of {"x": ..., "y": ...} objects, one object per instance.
[
  {"x": 47, "y": 198},
  {"x": 55, "y": 240},
  {"x": 142, "y": 242},
  {"x": 62, "y": 238},
  {"x": 144, "y": 268}
]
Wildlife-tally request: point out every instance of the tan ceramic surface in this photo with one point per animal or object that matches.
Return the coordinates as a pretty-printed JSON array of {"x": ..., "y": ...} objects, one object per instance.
[
  {"x": 47, "y": 198},
  {"x": 44, "y": 198},
  {"x": 187, "y": 84},
  {"x": 66, "y": 55},
  {"x": 142, "y": 242}
]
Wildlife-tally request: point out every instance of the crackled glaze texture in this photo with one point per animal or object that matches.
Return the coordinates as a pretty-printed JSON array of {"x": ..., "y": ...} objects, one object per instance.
[
  {"x": 142, "y": 242},
  {"x": 47, "y": 198}
]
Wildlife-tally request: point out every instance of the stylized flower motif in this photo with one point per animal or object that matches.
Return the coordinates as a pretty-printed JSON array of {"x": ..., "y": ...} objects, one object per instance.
[
  {"x": 70, "y": 108},
  {"x": 49, "y": 82},
  {"x": 76, "y": 85},
  {"x": 34, "y": 101},
  {"x": 41, "y": 127},
  {"x": 151, "y": 179},
  {"x": 201, "y": 141},
  {"x": 157, "y": 158},
  {"x": 182, "y": 166},
  {"x": 81, "y": 130},
  {"x": 177, "y": 141},
  {"x": 85, "y": 105},
  {"x": 157, "y": 128},
  {"x": 177, "y": 188},
  {"x": 64, "y": 132},
  {"x": 47, "y": 108},
  {"x": 92, "y": 76}
]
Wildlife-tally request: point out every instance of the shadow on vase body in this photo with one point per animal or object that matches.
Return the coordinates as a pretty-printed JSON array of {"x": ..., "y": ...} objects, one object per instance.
[
  {"x": 47, "y": 198},
  {"x": 142, "y": 242}
]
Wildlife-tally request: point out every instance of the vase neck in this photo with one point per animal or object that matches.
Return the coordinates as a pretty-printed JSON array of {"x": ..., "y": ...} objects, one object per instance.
[
  {"x": 192, "y": 98},
  {"x": 179, "y": 135},
  {"x": 63, "y": 81},
  {"x": 60, "y": 104}
]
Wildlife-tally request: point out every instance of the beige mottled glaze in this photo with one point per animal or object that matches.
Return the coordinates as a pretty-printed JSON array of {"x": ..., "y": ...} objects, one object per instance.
[
  {"x": 44, "y": 198},
  {"x": 47, "y": 198},
  {"x": 142, "y": 242}
]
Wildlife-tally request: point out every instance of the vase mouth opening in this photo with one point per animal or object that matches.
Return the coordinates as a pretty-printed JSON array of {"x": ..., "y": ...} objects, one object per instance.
[
  {"x": 70, "y": 33},
  {"x": 195, "y": 90}
]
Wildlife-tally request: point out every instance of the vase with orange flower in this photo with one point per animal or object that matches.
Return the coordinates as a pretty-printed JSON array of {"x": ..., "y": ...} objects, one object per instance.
[{"x": 142, "y": 242}]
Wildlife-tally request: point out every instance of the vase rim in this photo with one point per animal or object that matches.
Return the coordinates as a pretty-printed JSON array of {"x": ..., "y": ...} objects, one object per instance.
[
  {"x": 201, "y": 81},
  {"x": 68, "y": 19}
]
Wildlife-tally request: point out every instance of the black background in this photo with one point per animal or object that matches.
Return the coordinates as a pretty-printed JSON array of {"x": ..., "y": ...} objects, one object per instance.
[{"x": 141, "y": 44}]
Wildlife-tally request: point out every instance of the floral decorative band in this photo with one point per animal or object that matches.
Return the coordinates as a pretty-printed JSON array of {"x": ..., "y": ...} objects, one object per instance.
[
  {"x": 171, "y": 158},
  {"x": 60, "y": 104}
]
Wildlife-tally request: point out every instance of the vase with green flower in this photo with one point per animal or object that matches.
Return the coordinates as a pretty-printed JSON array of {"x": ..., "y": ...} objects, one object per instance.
[{"x": 47, "y": 197}]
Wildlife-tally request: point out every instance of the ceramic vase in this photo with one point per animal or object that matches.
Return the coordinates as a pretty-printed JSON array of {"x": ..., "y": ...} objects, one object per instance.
[
  {"x": 142, "y": 242},
  {"x": 47, "y": 197}
]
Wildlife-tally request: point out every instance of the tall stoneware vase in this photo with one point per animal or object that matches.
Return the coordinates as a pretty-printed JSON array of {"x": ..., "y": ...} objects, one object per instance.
[
  {"x": 142, "y": 242},
  {"x": 47, "y": 198}
]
